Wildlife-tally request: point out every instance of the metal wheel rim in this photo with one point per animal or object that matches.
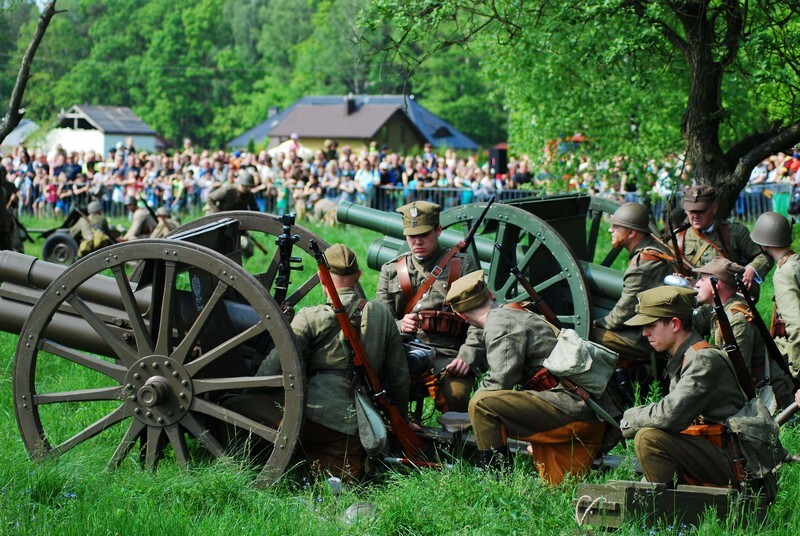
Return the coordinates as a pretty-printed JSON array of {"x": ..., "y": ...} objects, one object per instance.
[
  {"x": 511, "y": 227},
  {"x": 171, "y": 255}
]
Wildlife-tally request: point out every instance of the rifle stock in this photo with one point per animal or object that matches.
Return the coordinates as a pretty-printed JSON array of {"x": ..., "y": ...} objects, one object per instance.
[
  {"x": 410, "y": 442},
  {"x": 680, "y": 261},
  {"x": 729, "y": 343}
]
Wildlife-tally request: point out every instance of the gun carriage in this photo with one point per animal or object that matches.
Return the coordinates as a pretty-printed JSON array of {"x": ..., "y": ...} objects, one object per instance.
[{"x": 137, "y": 345}]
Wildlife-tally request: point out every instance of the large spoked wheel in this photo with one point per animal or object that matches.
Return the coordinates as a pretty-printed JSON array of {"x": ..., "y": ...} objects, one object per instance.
[
  {"x": 264, "y": 228},
  {"x": 152, "y": 385},
  {"x": 537, "y": 250}
]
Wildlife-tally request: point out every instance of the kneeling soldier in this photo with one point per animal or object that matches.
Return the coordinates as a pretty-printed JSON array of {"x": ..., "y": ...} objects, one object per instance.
[{"x": 565, "y": 433}]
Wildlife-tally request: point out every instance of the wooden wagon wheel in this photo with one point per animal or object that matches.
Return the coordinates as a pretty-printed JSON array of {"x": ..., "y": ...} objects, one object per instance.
[
  {"x": 150, "y": 386},
  {"x": 539, "y": 252},
  {"x": 258, "y": 224}
]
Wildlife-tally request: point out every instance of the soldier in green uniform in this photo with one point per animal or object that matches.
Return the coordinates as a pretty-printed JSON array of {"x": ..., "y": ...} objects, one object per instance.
[
  {"x": 165, "y": 223},
  {"x": 650, "y": 263},
  {"x": 92, "y": 232},
  {"x": 707, "y": 237},
  {"x": 773, "y": 233},
  {"x": 740, "y": 317},
  {"x": 142, "y": 223},
  {"x": 330, "y": 431},
  {"x": 682, "y": 438},
  {"x": 427, "y": 317},
  {"x": 565, "y": 433},
  {"x": 234, "y": 197}
]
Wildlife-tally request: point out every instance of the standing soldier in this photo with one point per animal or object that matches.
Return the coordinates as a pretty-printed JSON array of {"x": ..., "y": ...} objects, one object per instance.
[
  {"x": 426, "y": 317},
  {"x": 774, "y": 234},
  {"x": 142, "y": 223},
  {"x": 92, "y": 232},
  {"x": 234, "y": 197},
  {"x": 707, "y": 237},
  {"x": 165, "y": 223}
]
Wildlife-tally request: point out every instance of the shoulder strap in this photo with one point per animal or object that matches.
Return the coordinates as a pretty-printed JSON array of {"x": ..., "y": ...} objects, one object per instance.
[
  {"x": 744, "y": 309},
  {"x": 652, "y": 254},
  {"x": 681, "y": 236},
  {"x": 435, "y": 273},
  {"x": 455, "y": 271},
  {"x": 725, "y": 235},
  {"x": 404, "y": 278},
  {"x": 701, "y": 345},
  {"x": 355, "y": 318}
]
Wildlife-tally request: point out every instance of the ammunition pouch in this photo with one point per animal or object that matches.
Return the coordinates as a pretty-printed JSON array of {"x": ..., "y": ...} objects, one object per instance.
[
  {"x": 714, "y": 433},
  {"x": 779, "y": 327},
  {"x": 542, "y": 380},
  {"x": 442, "y": 323}
]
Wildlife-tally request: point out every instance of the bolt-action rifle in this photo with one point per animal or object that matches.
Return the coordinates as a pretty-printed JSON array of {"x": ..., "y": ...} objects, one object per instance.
[
  {"x": 410, "y": 442},
  {"x": 437, "y": 271},
  {"x": 729, "y": 344},
  {"x": 285, "y": 242},
  {"x": 681, "y": 264},
  {"x": 772, "y": 348}
]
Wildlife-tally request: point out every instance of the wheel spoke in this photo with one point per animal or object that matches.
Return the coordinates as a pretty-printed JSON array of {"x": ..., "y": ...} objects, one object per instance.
[
  {"x": 547, "y": 283},
  {"x": 301, "y": 291},
  {"x": 143, "y": 339},
  {"x": 131, "y": 436},
  {"x": 154, "y": 449},
  {"x": 567, "y": 319},
  {"x": 198, "y": 430},
  {"x": 243, "y": 382},
  {"x": 178, "y": 442},
  {"x": 112, "y": 370},
  {"x": 188, "y": 342},
  {"x": 195, "y": 366},
  {"x": 528, "y": 256},
  {"x": 165, "y": 318},
  {"x": 84, "y": 395},
  {"x": 235, "y": 419},
  {"x": 92, "y": 430},
  {"x": 125, "y": 353}
]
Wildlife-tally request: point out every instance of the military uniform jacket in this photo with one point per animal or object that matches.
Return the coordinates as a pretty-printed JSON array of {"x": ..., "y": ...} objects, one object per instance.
[
  {"x": 645, "y": 271},
  {"x": 228, "y": 197},
  {"x": 142, "y": 225},
  {"x": 164, "y": 227},
  {"x": 329, "y": 394},
  {"x": 702, "y": 384},
  {"x": 787, "y": 299},
  {"x": 739, "y": 248},
  {"x": 391, "y": 294},
  {"x": 85, "y": 228}
]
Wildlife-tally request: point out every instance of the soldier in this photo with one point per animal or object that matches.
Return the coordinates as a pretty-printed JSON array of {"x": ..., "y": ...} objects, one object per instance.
[
  {"x": 774, "y": 234},
  {"x": 565, "y": 434},
  {"x": 426, "y": 317},
  {"x": 92, "y": 232},
  {"x": 740, "y": 317},
  {"x": 671, "y": 443},
  {"x": 706, "y": 238},
  {"x": 649, "y": 265},
  {"x": 7, "y": 222},
  {"x": 142, "y": 223},
  {"x": 165, "y": 223},
  {"x": 330, "y": 432},
  {"x": 234, "y": 197}
]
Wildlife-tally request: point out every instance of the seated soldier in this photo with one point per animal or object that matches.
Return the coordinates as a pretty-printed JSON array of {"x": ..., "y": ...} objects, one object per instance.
[
  {"x": 165, "y": 223},
  {"x": 565, "y": 433},
  {"x": 92, "y": 232},
  {"x": 681, "y": 439}
]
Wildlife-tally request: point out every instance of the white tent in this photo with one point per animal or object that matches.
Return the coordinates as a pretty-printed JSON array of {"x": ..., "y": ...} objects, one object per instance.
[{"x": 303, "y": 152}]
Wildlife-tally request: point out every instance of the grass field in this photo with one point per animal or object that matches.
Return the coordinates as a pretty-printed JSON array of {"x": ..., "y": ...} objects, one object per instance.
[{"x": 76, "y": 495}]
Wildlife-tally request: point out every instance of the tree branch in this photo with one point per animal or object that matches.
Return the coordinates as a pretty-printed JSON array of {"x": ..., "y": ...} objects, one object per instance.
[
  {"x": 780, "y": 141},
  {"x": 14, "y": 113}
]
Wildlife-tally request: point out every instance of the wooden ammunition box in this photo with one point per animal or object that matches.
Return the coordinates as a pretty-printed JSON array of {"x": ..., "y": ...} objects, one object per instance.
[{"x": 610, "y": 505}]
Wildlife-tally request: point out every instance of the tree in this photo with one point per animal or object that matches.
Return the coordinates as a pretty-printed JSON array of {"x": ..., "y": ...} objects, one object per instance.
[{"x": 722, "y": 75}]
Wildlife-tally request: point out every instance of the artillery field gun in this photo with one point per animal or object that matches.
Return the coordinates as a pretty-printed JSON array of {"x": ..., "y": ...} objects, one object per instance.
[{"x": 137, "y": 345}]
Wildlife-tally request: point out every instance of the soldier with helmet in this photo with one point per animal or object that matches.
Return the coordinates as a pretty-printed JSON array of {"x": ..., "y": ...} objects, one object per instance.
[
  {"x": 165, "y": 223},
  {"x": 91, "y": 231},
  {"x": 649, "y": 264},
  {"x": 142, "y": 222},
  {"x": 773, "y": 233},
  {"x": 234, "y": 197}
]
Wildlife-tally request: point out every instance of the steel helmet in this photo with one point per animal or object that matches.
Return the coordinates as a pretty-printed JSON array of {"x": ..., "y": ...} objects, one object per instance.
[
  {"x": 633, "y": 216},
  {"x": 246, "y": 179},
  {"x": 93, "y": 207},
  {"x": 772, "y": 229},
  {"x": 162, "y": 211}
]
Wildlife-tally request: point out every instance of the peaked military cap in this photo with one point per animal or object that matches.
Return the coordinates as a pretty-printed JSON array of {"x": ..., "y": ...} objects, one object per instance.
[
  {"x": 419, "y": 217},
  {"x": 723, "y": 269},
  {"x": 341, "y": 259},
  {"x": 699, "y": 197},
  {"x": 662, "y": 302},
  {"x": 468, "y": 292}
]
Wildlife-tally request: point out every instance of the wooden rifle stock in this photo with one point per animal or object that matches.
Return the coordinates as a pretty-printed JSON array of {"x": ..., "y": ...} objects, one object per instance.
[
  {"x": 680, "y": 261},
  {"x": 772, "y": 348},
  {"x": 730, "y": 346},
  {"x": 410, "y": 442},
  {"x": 536, "y": 300}
]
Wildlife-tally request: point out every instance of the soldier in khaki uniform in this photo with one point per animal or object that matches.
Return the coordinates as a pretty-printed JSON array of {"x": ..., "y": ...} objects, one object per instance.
[
  {"x": 773, "y": 233},
  {"x": 707, "y": 237},
  {"x": 234, "y": 197},
  {"x": 650, "y": 263},
  {"x": 330, "y": 431},
  {"x": 702, "y": 386},
  {"x": 565, "y": 434},
  {"x": 429, "y": 319},
  {"x": 92, "y": 232},
  {"x": 165, "y": 223},
  {"x": 740, "y": 317},
  {"x": 142, "y": 223}
]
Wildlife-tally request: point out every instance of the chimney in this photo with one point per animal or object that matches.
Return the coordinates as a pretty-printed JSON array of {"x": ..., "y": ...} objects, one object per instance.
[
  {"x": 349, "y": 104},
  {"x": 272, "y": 111}
]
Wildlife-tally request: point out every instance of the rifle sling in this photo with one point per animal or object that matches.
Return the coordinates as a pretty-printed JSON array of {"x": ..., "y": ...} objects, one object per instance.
[{"x": 435, "y": 273}]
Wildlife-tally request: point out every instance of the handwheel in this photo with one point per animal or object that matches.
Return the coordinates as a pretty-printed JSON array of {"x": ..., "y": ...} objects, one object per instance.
[{"x": 150, "y": 388}]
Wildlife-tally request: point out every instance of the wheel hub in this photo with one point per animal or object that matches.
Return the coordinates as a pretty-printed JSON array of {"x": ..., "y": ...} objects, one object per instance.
[{"x": 159, "y": 390}]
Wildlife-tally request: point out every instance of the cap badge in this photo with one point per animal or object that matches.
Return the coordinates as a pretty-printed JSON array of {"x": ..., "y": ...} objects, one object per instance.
[{"x": 414, "y": 212}]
